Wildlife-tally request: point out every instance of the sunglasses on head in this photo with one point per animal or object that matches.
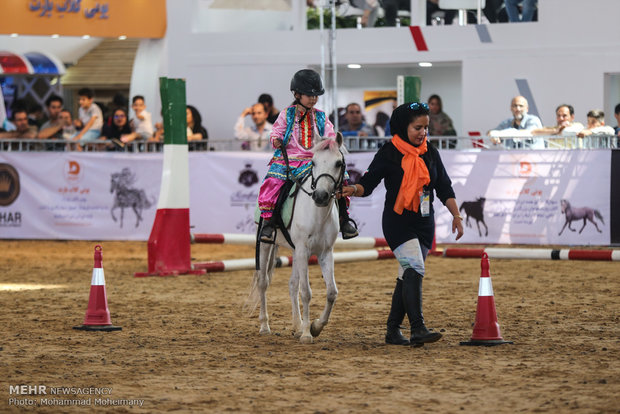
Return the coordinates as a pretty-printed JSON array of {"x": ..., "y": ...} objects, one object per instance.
[{"x": 416, "y": 105}]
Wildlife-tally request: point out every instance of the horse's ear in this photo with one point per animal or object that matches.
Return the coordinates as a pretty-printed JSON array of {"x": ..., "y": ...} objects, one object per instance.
[{"x": 339, "y": 138}]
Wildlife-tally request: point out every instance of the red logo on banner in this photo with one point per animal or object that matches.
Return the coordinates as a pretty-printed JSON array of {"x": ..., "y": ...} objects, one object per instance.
[{"x": 73, "y": 171}]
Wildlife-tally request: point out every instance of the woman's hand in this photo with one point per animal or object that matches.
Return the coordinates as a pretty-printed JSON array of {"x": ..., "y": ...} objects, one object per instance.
[
  {"x": 277, "y": 143},
  {"x": 457, "y": 226}
]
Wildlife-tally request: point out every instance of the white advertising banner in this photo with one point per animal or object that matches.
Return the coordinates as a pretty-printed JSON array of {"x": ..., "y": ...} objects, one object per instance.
[
  {"x": 529, "y": 197},
  {"x": 78, "y": 196},
  {"x": 505, "y": 197}
]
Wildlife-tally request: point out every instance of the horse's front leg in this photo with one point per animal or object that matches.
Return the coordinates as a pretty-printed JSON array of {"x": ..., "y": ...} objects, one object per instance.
[
  {"x": 138, "y": 215},
  {"x": 563, "y": 227},
  {"x": 264, "y": 274},
  {"x": 584, "y": 225},
  {"x": 293, "y": 291},
  {"x": 326, "y": 261},
  {"x": 300, "y": 271},
  {"x": 122, "y": 214}
]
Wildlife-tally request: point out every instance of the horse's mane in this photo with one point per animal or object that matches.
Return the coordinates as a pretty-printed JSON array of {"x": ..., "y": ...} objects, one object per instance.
[{"x": 328, "y": 144}]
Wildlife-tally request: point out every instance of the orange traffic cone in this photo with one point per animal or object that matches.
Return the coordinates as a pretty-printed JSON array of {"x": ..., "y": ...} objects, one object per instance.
[
  {"x": 486, "y": 329},
  {"x": 97, "y": 314}
]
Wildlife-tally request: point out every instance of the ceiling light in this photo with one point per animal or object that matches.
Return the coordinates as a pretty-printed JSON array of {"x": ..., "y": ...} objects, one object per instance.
[
  {"x": 354, "y": 66},
  {"x": 55, "y": 36},
  {"x": 122, "y": 37},
  {"x": 14, "y": 35},
  {"x": 425, "y": 64},
  {"x": 86, "y": 37}
]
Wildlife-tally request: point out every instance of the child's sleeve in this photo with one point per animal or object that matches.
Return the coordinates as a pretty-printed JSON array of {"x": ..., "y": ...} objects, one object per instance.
[{"x": 279, "y": 128}]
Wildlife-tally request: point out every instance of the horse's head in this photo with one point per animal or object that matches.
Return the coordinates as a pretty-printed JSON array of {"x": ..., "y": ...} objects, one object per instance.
[
  {"x": 328, "y": 167},
  {"x": 565, "y": 205}
]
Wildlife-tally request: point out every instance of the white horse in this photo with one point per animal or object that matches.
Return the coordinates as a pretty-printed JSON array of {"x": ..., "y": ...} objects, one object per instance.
[{"x": 313, "y": 230}]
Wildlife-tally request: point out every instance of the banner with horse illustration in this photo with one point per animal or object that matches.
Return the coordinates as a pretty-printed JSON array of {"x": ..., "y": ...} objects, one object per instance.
[
  {"x": 529, "y": 197},
  {"x": 524, "y": 197}
]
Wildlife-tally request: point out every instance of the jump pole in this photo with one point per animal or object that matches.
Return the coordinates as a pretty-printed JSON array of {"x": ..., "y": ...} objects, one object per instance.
[
  {"x": 284, "y": 261},
  {"x": 250, "y": 239},
  {"x": 169, "y": 243},
  {"x": 533, "y": 254}
]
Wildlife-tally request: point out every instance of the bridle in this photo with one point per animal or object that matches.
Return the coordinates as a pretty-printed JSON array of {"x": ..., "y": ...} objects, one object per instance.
[{"x": 314, "y": 180}]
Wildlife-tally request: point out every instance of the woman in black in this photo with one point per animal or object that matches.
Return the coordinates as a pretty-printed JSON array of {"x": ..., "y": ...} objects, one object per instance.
[
  {"x": 119, "y": 132},
  {"x": 411, "y": 170}
]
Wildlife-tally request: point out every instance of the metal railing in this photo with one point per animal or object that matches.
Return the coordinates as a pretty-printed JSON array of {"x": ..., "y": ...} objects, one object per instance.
[{"x": 353, "y": 144}]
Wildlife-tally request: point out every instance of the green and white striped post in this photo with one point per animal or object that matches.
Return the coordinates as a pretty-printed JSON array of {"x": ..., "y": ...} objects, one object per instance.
[{"x": 169, "y": 251}]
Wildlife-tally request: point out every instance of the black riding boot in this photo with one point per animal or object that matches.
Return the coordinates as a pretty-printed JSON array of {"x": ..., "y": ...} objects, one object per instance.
[
  {"x": 348, "y": 227},
  {"x": 267, "y": 231},
  {"x": 412, "y": 296},
  {"x": 397, "y": 314}
]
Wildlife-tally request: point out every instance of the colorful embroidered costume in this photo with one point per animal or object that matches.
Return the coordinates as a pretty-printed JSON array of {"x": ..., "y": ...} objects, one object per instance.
[{"x": 296, "y": 132}]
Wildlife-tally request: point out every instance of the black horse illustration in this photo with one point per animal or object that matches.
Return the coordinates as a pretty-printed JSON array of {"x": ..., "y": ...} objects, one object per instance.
[
  {"x": 585, "y": 213},
  {"x": 475, "y": 209},
  {"x": 126, "y": 196}
]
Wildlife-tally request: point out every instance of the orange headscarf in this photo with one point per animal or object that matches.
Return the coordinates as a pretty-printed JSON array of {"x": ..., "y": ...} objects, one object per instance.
[{"x": 415, "y": 175}]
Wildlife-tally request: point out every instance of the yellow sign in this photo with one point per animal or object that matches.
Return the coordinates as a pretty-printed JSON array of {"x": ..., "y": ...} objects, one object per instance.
[{"x": 96, "y": 18}]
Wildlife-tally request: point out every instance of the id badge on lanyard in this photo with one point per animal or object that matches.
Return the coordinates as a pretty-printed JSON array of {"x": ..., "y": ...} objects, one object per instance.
[{"x": 425, "y": 203}]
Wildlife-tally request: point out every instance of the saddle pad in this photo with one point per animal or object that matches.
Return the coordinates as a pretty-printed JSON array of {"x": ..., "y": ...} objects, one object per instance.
[{"x": 287, "y": 209}]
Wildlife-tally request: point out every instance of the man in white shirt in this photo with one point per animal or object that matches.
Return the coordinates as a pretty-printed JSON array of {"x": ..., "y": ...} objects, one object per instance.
[
  {"x": 255, "y": 137},
  {"x": 565, "y": 126}
]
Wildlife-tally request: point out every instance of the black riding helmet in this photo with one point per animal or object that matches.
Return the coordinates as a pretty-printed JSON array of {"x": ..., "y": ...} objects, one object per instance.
[{"x": 307, "y": 82}]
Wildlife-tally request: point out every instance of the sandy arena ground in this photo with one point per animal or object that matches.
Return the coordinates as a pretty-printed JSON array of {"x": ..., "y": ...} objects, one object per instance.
[{"x": 186, "y": 345}]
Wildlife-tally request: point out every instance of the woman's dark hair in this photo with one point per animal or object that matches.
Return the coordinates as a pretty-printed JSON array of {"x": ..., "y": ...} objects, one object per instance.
[
  {"x": 197, "y": 128},
  {"x": 438, "y": 98},
  {"x": 404, "y": 115}
]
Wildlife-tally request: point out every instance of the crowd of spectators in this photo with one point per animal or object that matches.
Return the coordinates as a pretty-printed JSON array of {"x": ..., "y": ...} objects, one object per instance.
[
  {"x": 95, "y": 127},
  {"x": 111, "y": 129}
]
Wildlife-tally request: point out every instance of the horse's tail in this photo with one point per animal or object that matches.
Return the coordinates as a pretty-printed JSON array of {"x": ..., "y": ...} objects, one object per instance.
[
  {"x": 599, "y": 216},
  {"x": 251, "y": 302}
]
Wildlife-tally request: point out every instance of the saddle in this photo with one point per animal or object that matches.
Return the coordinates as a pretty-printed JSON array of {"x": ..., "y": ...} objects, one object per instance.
[{"x": 283, "y": 211}]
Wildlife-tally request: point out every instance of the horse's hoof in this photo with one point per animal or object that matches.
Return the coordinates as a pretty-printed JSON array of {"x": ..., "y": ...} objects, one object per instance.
[
  {"x": 306, "y": 339},
  {"x": 316, "y": 328},
  {"x": 265, "y": 331}
]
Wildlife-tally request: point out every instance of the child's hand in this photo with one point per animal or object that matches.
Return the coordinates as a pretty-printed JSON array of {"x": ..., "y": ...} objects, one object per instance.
[{"x": 277, "y": 143}]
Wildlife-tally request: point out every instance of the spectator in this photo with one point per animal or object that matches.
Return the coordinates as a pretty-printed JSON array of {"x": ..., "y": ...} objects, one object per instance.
[
  {"x": 195, "y": 130},
  {"x": 371, "y": 11},
  {"x": 119, "y": 133},
  {"x": 520, "y": 125},
  {"x": 68, "y": 129},
  {"x": 22, "y": 128},
  {"x": 272, "y": 112},
  {"x": 90, "y": 117},
  {"x": 355, "y": 124},
  {"x": 432, "y": 9},
  {"x": 596, "y": 125},
  {"x": 440, "y": 123},
  {"x": 391, "y": 8},
  {"x": 255, "y": 137},
  {"x": 565, "y": 125},
  {"x": 528, "y": 8},
  {"x": 119, "y": 101},
  {"x": 36, "y": 116},
  {"x": 143, "y": 125},
  {"x": 52, "y": 128}
]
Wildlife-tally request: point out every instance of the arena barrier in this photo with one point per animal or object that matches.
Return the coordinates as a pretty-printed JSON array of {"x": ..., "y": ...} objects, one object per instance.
[
  {"x": 532, "y": 254},
  {"x": 284, "y": 261},
  {"x": 250, "y": 239}
]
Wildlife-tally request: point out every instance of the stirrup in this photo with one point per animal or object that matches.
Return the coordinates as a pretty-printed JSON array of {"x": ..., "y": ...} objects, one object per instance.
[
  {"x": 268, "y": 233},
  {"x": 349, "y": 229}
]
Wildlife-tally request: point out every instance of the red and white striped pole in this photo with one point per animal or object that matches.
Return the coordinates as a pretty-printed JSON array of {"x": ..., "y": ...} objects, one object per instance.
[
  {"x": 169, "y": 251},
  {"x": 250, "y": 239},
  {"x": 284, "y": 261},
  {"x": 529, "y": 254}
]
